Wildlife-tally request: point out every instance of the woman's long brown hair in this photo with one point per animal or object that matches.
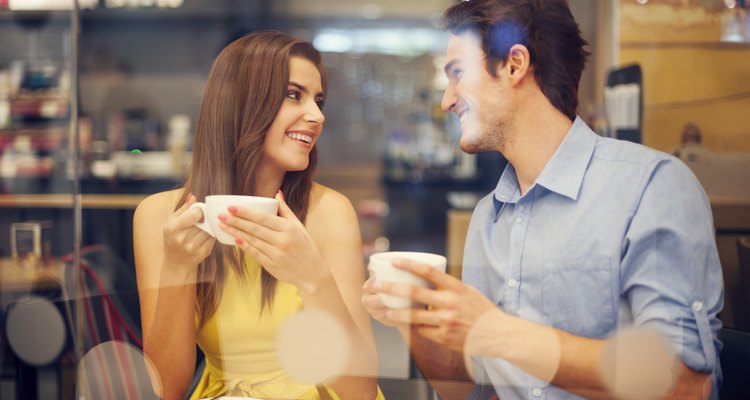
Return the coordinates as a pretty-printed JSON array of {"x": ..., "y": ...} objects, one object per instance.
[{"x": 244, "y": 92}]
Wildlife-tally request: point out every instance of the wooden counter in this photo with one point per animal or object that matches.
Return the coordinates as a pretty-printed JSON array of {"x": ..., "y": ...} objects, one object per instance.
[
  {"x": 100, "y": 201},
  {"x": 14, "y": 278},
  {"x": 731, "y": 214},
  {"x": 458, "y": 225}
]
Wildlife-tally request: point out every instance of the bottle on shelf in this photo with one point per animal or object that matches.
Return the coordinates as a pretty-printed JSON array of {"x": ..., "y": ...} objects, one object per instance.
[
  {"x": 19, "y": 159},
  {"x": 179, "y": 133},
  {"x": 4, "y": 99}
]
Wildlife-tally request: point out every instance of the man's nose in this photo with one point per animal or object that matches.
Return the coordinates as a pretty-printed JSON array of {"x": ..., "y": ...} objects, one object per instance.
[{"x": 449, "y": 99}]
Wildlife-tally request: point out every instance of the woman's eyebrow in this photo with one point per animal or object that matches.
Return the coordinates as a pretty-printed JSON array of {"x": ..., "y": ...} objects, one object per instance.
[{"x": 303, "y": 88}]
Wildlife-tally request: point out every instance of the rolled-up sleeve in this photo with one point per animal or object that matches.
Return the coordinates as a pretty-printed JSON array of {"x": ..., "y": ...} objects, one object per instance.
[{"x": 670, "y": 271}]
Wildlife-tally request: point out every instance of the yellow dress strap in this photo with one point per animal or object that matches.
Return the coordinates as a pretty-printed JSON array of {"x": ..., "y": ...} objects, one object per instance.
[
  {"x": 239, "y": 388},
  {"x": 332, "y": 393}
]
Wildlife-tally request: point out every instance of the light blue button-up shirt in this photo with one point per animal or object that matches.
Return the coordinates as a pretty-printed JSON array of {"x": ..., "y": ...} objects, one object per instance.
[{"x": 612, "y": 234}]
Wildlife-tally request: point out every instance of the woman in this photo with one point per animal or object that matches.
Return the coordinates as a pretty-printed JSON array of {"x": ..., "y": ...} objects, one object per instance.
[{"x": 256, "y": 135}]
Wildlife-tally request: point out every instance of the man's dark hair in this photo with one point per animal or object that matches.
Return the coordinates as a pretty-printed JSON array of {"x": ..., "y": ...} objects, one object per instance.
[{"x": 545, "y": 27}]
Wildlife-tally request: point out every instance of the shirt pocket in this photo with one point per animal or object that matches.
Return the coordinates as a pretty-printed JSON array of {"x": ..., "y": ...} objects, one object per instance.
[{"x": 578, "y": 295}]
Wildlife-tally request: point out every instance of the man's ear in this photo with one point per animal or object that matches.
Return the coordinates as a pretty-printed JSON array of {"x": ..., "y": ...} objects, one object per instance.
[{"x": 518, "y": 63}]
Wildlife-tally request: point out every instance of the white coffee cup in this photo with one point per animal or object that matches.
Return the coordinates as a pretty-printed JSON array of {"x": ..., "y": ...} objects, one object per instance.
[
  {"x": 382, "y": 269},
  {"x": 218, "y": 204}
]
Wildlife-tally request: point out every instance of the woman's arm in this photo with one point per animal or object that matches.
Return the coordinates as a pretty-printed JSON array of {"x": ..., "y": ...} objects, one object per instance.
[
  {"x": 168, "y": 249},
  {"x": 335, "y": 227}
]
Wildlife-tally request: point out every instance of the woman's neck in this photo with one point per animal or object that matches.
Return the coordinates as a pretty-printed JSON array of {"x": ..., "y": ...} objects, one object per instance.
[{"x": 268, "y": 182}]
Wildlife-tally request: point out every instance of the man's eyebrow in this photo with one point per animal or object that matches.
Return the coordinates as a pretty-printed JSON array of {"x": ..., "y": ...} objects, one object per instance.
[{"x": 449, "y": 66}]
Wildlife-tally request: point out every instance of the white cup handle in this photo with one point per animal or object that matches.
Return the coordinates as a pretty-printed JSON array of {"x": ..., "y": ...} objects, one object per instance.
[{"x": 203, "y": 225}]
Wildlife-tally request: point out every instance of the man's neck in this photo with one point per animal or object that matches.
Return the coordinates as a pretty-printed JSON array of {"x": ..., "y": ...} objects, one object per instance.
[{"x": 538, "y": 133}]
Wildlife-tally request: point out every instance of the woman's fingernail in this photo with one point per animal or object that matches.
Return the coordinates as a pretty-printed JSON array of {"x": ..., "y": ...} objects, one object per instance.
[
  {"x": 222, "y": 217},
  {"x": 282, "y": 195},
  {"x": 239, "y": 241},
  {"x": 232, "y": 209}
]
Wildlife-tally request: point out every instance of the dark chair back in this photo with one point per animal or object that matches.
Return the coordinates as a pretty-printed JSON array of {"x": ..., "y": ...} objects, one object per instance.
[
  {"x": 735, "y": 364},
  {"x": 113, "y": 365},
  {"x": 742, "y": 310},
  {"x": 103, "y": 290},
  {"x": 97, "y": 318},
  {"x": 106, "y": 272}
]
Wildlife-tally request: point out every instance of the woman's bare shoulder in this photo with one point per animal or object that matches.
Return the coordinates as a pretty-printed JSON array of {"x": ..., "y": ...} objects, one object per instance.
[
  {"x": 325, "y": 199},
  {"x": 159, "y": 205},
  {"x": 331, "y": 218}
]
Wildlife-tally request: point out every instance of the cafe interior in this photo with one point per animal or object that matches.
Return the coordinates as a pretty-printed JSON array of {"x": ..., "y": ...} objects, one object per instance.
[{"x": 98, "y": 106}]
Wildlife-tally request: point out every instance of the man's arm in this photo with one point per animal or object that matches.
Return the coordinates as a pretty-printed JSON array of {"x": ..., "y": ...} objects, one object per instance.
[
  {"x": 461, "y": 319},
  {"x": 445, "y": 369},
  {"x": 591, "y": 368}
]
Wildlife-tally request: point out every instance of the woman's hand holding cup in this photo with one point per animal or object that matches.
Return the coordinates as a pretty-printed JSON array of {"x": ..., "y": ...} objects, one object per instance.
[
  {"x": 280, "y": 243},
  {"x": 185, "y": 245},
  {"x": 218, "y": 205}
]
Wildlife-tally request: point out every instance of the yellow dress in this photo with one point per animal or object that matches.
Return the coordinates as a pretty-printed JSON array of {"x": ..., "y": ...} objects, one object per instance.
[{"x": 240, "y": 346}]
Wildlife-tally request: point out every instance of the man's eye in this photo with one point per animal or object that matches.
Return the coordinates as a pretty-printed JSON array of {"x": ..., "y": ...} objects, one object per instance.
[
  {"x": 456, "y": 73},
  {"x": 293, "y": 94}
]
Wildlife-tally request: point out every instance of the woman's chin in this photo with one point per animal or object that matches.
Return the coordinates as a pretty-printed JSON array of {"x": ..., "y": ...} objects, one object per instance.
[{"x": 297, "y": 167}]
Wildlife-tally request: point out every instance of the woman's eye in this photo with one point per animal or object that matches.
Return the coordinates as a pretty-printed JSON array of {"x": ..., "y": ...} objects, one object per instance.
[
  {"x": 293, "y": 94},
  {"x": 456, "y": 74}
]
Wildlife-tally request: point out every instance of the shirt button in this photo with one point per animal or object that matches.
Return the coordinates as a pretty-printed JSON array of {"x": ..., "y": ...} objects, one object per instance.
[
  {"x": 697, "y": 306},
  {"x": 537, "y": 392},
  {"x": 518, "y": 220},
  {"x": 512, "y": 283}
]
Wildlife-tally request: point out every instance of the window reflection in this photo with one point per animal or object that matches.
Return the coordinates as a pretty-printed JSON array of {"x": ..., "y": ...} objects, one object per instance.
[{"x": 387, "y": 145}]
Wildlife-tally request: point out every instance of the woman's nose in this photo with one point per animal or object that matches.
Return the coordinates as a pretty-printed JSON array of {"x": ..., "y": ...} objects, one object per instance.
[{"x": 314, "y": 114}]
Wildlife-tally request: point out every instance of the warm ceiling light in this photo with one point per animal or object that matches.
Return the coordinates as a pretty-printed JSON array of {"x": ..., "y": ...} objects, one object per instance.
[
  {"x": 29, "y": 5},
  {"x": 143, "y": 3}
]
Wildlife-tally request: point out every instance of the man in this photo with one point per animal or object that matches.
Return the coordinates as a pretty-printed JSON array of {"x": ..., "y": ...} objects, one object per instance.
[
  {"x": 691, "y": 149},
  {"x": 582, "y": 238}
]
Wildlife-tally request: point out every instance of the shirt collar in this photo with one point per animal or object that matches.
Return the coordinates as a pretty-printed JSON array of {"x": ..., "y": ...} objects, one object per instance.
[
  {"x": 564, "y": 172},
  {"x": 506, "y": 190}
]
